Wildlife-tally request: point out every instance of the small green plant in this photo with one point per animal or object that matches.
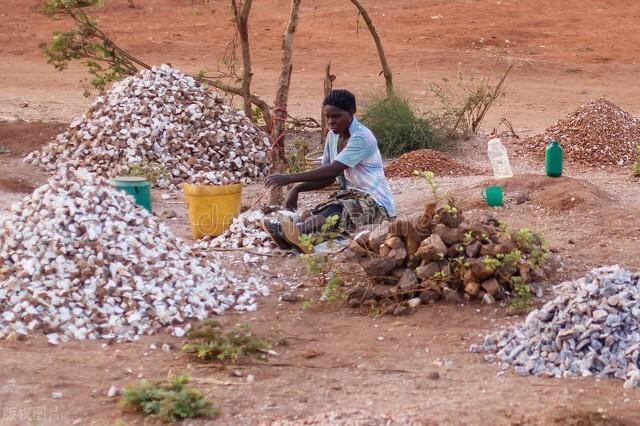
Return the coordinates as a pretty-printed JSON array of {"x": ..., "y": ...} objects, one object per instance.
[
  {"x": 4, "y": 150},
  {"x": 319, "y": 265},
  {"x": 511, "y": 259},
  {"x": 636, "y": 166},
  {"x": 150, "y": 170},
  {"x": 207, "y": 341},
  {"x": 296, "y": 156},
  {"x": 167, "y": 401},
  {"x": 439, "y": 276},
  {"x": 86, "y": 43},
  {"x": 397, "y": 126},
  {"x": 521, "y": 300},
  {"x": 503, "y": 226},
  {"x": 449, "y": 208},
  {"x": 467, "y": 239},
  {"x": 491, "y": 262},
  {"x": 430, "y": 177}
]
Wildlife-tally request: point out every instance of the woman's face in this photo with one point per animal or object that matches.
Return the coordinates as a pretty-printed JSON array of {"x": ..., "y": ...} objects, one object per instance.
[{"x": 338, "y": 120}]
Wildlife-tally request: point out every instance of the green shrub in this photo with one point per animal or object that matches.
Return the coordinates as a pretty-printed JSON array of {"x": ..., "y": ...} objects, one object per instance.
[
  {"x": 167, "y": 401},
  {"x": 206, "y": 341},
  {"x": 397, "y": 127}
]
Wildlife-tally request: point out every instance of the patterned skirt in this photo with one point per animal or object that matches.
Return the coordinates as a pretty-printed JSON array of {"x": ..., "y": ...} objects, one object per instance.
[{"x": 358, "y": 209}]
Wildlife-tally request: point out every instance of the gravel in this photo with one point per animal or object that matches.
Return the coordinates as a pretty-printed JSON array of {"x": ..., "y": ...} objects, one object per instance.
[
  {"x": 81, "y": 260},
  {"x": 589, "y": 329},
  {"x": 161, "y": 116},
  {"x": 597, "y": 133},
  {"x": 427, "y": 159}
]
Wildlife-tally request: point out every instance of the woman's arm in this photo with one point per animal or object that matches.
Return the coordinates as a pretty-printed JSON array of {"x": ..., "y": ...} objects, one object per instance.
[{"x": 320, "y": 175}]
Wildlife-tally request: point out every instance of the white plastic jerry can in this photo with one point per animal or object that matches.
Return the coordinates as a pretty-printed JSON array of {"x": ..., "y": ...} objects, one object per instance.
[{"x": 499, "y": 159}]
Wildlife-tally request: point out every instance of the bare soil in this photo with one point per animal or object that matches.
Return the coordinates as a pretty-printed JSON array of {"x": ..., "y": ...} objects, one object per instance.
[{"x": 343, "y": 363}]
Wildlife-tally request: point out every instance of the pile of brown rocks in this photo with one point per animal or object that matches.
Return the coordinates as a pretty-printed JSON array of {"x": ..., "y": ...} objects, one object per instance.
[{"x": 438, "y": 255}]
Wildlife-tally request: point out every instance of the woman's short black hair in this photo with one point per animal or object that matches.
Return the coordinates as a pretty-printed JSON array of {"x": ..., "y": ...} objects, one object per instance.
[{"x": 342, "y": 99}]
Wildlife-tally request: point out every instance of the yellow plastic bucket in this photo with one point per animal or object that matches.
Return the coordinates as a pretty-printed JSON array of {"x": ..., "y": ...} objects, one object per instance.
[{"x": 211, "y": 207}]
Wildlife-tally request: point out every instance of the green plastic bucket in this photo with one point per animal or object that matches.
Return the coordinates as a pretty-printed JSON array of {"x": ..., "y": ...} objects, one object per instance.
[{"x": 136, "y": 186}]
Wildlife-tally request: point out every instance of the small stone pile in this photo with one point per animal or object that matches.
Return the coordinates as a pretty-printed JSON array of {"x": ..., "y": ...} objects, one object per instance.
[
  {"x": 81, "y": 260},
  {"x": 223, "y": 177},
  {"x": 244, "y": 232},
  {"x": 597, "y": 133},
  {"x": 427, "y": 159},
  {"x": 438, "y": 255},
  {"x": 591, "y": 328},
  {"x": 160, "y": 116}
]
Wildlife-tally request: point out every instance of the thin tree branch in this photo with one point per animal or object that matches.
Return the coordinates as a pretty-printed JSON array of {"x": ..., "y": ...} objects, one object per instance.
[{"x": 386, "y": 70}]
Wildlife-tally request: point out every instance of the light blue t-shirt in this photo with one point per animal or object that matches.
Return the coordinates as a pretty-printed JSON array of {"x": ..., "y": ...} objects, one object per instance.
[{"x": 365, "y": 170}]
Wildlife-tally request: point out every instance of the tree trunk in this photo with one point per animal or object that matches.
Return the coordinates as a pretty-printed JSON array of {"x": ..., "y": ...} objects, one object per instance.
[
  {"x": 241, "y": 18},
  {"x": 328, "y": 86},
  {"x": 388, "y": 77},
  {"x": 278, "y": 156}
]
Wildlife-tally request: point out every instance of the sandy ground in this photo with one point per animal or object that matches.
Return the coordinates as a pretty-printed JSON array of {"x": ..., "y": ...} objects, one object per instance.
[{"x": 343, "y": 366}]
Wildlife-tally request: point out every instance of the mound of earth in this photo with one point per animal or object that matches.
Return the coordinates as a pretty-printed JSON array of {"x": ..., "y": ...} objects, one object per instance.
[
  {"x": 563, "y": 193},
  {"x": 597, "y": 133},
  {"x": 427, "y": 159}
]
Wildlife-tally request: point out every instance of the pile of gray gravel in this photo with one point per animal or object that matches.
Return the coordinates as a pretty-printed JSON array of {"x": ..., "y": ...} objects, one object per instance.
[{"x": 591, "y": 328}]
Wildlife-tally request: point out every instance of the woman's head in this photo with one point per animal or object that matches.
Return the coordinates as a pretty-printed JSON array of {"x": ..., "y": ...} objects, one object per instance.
[{"x": 339, "y": 107}]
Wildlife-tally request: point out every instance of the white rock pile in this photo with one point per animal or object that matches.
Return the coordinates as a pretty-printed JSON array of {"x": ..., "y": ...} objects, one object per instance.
[
  {"x": 590, "y": 329},
  {"x": 80, "y": 260},
  {"x": 244, "y": 232},
  {"x": 162, "y": 116},
  {"x": 223, "y": 177}
]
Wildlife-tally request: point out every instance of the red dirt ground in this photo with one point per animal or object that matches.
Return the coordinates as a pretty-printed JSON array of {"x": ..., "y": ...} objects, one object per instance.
[{"x": 370, "y": 370}]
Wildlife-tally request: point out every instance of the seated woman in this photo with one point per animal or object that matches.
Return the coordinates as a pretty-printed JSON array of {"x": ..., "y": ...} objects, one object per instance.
[{"x": 351, "y": 156}]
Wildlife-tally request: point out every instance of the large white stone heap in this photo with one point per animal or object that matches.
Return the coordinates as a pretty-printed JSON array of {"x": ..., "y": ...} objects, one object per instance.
[
  {"x": 80, "y": 260},
  {"x": 162, "y": 116}
]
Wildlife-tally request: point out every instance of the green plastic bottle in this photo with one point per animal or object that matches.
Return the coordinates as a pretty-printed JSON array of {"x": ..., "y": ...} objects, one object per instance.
[{"x": 554, "y": 155}]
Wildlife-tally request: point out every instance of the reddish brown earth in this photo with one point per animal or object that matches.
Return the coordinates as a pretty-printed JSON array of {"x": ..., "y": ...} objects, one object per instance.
[{"x": 367, "y": 369}]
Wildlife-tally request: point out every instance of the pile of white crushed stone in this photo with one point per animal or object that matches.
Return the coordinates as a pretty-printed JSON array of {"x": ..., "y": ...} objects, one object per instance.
[
  {"x": 166, "y": 119},
  {"x": 80, "y": 260}
]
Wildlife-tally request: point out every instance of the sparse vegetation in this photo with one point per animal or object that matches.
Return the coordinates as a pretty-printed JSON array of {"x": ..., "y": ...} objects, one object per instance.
[
  {"x": 521, "y": 297},
  {"x": 430, "y": 177},
  {"x": 319, "y": 264},
  {"x": 461, "y": 114},
  {"x": 636, "y": 166},
  {"x": 397, "y": 126},
  {"x": 207, "y": 341},
  {"x": 85, "y": 42},
  {"x": 167, "y": 401},
  {"x": 296, "y": 157},
  {"x": 150, "y": 170}
]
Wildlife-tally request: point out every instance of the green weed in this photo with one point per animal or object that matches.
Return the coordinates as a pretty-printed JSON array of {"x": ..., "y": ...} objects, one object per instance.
[
  {"x": 207, "y": 341},
  {"x": 521, "y": 300},
  {"x": 167, "y": 401}
]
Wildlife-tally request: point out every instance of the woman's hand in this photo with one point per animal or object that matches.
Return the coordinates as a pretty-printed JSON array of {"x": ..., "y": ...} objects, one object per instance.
[
  {"x": 277, "y": 180},
  {"x": 291, "y": 202}
]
